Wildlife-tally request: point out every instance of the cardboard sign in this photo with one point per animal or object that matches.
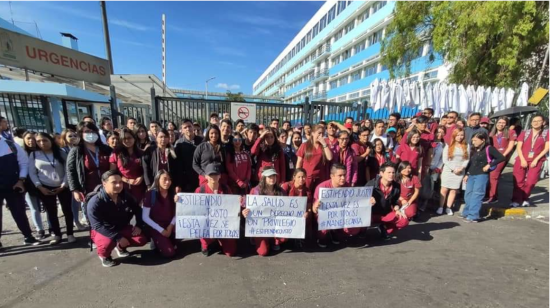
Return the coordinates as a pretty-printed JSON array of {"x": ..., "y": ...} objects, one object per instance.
[
  {"x": 274, "y": 216},
  {"x": 346, "y": 207}
]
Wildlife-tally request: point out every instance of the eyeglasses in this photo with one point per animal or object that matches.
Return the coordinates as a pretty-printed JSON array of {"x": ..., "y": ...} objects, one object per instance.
[
  {"x": 237, "y": 140},
  {"x": 72, "y": 136},
  {"x": 452, "y": 118}
]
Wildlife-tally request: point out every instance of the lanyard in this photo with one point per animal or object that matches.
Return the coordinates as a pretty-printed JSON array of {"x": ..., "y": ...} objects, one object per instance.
[
  {"x": 95, "y": 156},
  {"x": 499, "y": 140},
  {"x": 385, "y": 191},
  {"x": 52, "y": 162},
  {"x": 533, "y": 141}
]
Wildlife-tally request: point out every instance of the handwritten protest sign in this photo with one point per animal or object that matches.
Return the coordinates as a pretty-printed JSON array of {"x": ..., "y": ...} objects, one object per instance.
[
  {"x": 207, "y": 216},
  {"x": 346, "y": 207},
  {"x": 273, "y": 216}
]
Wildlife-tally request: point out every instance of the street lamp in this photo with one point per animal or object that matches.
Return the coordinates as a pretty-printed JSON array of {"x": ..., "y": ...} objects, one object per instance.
[{"x": 206, "y": 84}]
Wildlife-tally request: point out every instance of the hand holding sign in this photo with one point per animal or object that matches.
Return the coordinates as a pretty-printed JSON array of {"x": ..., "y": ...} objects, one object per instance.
[
  {"x": 346, "y": 207},
  {"x": 275, "y": 216}
]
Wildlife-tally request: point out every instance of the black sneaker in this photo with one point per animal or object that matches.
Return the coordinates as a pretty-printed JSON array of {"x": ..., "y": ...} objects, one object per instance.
[
  {"x": 107, "y": 262},
  {"x": 31, "y": 241},
  {"x": 206, "y": 252},
  {"x": 322, "y": 243},
  {"x": 122, "y": 252},
  {"x": 298, "y": 244},
  {"x": 384, "y": 233},
  {"x": 41, "y": 234}
]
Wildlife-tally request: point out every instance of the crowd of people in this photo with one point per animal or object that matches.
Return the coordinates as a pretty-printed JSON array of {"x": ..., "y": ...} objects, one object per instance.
[{"x": 104, "y": 178}]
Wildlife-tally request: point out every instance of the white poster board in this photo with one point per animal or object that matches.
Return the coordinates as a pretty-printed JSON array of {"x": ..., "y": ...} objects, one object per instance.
[
  {"x": 207, "y": 216},
  {"x": 243, "y": 111},
  {"x": 274, "y": 216},
  {"x": 346, "y": 207}
]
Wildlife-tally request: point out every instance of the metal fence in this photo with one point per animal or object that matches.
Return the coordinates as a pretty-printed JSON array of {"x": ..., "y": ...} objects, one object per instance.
[
  {"x": 29, "y": 111},
  {"x": 141, "y": 112}
]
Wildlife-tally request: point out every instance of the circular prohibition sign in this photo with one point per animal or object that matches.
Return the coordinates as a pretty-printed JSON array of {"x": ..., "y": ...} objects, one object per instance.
[{"x": 243, "y": 113}]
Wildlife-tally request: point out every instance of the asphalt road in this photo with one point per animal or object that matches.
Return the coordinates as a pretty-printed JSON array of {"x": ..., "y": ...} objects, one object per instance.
[{"x": 442, "y": 262}]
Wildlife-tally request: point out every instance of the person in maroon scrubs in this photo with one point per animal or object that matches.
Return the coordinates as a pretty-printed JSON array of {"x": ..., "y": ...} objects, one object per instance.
[
  {"x": 410, "y": 189},
  {"x": 532, "y": 148},
  {"x": 127, "y": 160},
  {"x": 411, "y": 151}
]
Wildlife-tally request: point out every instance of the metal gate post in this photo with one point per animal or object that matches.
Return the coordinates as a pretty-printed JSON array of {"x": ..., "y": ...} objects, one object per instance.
[
  {"x": 306, "y": 112},
  {"x": 114, "y": 107},
  {"x": 48, "y": 119},
  {"x": 154, "y": 104}
]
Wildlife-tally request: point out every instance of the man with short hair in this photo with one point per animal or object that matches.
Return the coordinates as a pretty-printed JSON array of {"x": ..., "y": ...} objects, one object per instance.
[
  {"x": 432, "y": 126},
  {"x": 226, "y": 129},
  {"x": 5, "y": 129},
  {"x": 186, "y": 178},
  {"x": 473, "y": 127},
  {"x": 287, "y": 126},
  {"x": 378, "y": 133},
  {"x": 14, "y": 162},
  {"x": 252, "y": 134},
  {"x": 387, "y": 210},
  {"x": 450, "y": 126},
  {"x": 214, "y": 120},
  {"x": 131, "y": 123},
  {"x": 88, "y": 118},
  {"x": 239, "y": 126},
  {"x": 110, "y": 212},
  {"x": 105, "y": 127},
  {"x": 274, "y": 124},
  {"x": 393, "y": 121},
  {"x": 443, "y": 120},
  {"x": 337, "y": 180},
  {"x": 154, "y": 128}
]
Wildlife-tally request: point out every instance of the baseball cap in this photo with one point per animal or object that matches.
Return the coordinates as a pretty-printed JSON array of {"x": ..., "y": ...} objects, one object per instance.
[
  {"x": 213, "y": 169},
  {"x": 391, "y": 130},
  {"x": 484, "y": 120},
  {"x": 268, "y": 172}
]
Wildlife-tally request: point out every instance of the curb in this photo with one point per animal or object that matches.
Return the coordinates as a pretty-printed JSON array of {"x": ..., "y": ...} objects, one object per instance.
[{"x": 502, "y": 212}]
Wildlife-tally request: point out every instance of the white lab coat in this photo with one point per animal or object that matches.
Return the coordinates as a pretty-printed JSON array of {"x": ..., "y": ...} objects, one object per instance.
[
  {"x": 374, "y": 88},
  {"x": 398, "y": 97},
  {"x": 463, "y": 106},
  {"x": 454, "y": 98},
  {"x": 488, "y": 100},
  {"x": 509, "y": 97},
  {"x": 406, "y": 93},
  {"x": 501, "y": 99},
  {"x": 415, "y": 95},
  {"x": 443, "y": 98},
  {"x": 480, "y": 100},
  {"x": 523, "y": 95}
]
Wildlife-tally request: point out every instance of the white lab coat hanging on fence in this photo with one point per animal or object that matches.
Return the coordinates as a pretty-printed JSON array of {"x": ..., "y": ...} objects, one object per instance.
[
  {"x": 509, "y": 97},
  {"x": 523, "y": 95},
  {"x": 480, "y": 100}
]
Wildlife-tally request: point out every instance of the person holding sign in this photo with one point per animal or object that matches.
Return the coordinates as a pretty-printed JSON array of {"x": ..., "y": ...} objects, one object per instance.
[
  {"x": 159, "y": 210},
  {"x": 210, "y": 151},
  {"x": 239, "y": 165},
  {"x": 298, "y": 188},
  {"x": 387, "y": 210},
  {"x": 532, "y": 149},
  {"x": 127, "y": 160},
  {"x": 110, "y": 211},
  {"x": 158, "y": 157},
  {"x": 268, "y": 187},
  {"x": 410, "y": 189},
  {"x": 314, "y": 156},
  {"x": 337, "y": 180},
  {"x": 346, "y": 156},
  {"x": 212, "y": 174},
  {"x": 269, "y": 153}
]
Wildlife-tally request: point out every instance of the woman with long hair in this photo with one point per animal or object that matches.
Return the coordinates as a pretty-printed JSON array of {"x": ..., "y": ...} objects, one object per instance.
[
  {"x": 159, "y": 214},
  {"x": 143, "y": 140},
  {"x": 483, "y": 158},
  {"x": 210, "y": 151},
  {"x": 369, "y": 124},
  {"x": 455, "y": 161},
  {"x": 346, "y": 156},
  {"x": 32, "y": 194},
  {"x": 47, "y": 173},
  {"x": 379, "y": 156},
  {"x": 127, "y": 160},
  {"x": 297, "y": 188},
  {"x": 269, "y": 186},
  {"x": 290, "y": 154},
  {"x": 362, "y": 149},
  {"x": 436, "y": 162},
  {"x": 503, "y": 139},
  {"x": 268, "y": 153},
  {"x": 314, "y": 156},
  {"x": 239, "y": 166},
  {"x": 410, "y": 189},
  {"x": 411, "y": 151},
  {"x": 87, "y": 161},
  {"x": 160, "y": 156},
  {"x": 69, "y": 139},
  {"x": 113, "y": 139},
  {"x": 296, "y": 142}
]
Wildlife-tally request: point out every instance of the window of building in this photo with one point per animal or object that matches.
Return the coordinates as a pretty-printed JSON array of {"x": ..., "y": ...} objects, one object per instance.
[
  {"x": 356, "y": 76},
  {"x": 370, "y": 70},
  {"x": 349, "y": 27},
  {"x": 375, "y": 37},
  {"x": 360, "y": 47},
  {"x": 364, "y": 15},
  {"x": 315, "y": 30},
  {"x": 343, "y": 81},
  {"x": 341, "y": 6},
  {"x": 331, "y": 14},
  {"x": 354, "y": 95},
  {"x": 335, "y": 60},
  {"x": 338, "y": 35},
  {"x": 430, "y": 75},
  {"x": 346, "y": 55},
  {"x": 323, "y": 23},
  {"x": 308, "y": 37},
  {"x": 334, "y": 84}
]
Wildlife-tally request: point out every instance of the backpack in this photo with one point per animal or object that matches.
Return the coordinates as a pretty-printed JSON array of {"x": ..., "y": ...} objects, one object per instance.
[
  {"x": 489, "y": 160},
  {"x": 528, "y": 132},
  {"x": 12, "y": 146}
]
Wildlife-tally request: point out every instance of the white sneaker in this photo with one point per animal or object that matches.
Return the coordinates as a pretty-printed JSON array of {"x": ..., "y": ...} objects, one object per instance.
[
  {"x": 71, "y": 239},
  {"x": 56, "y": 240},
  {"x": 439, "y": 211},
  {"x": 449, "y": 212},
  {"x": 514, "y": 204},
  {"x": 526, "y": 204}
]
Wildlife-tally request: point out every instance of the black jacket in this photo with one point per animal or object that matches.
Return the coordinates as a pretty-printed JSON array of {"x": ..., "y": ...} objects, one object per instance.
[
  {"x": 76, "y": 177},
  {"x": 204, "y": 155},
  {"x": 150, "y": 163},
  {"x": 478, "y": 160},
  {"x": 108, "y": 218},
  {"x": 187, "y": 178},
  {"x": 384, "y": 205}
]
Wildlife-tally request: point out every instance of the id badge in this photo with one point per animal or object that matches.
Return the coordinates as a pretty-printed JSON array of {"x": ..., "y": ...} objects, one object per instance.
[
  {"x": 531, "y": 154},
  {"x": 291, "y": 165},
  {"x": 501, "y": 149},
  {"x": 55, "y": 176}
]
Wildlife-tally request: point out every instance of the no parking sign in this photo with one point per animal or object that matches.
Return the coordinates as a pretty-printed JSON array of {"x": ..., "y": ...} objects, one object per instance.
[{"x": 243, "y": 111}]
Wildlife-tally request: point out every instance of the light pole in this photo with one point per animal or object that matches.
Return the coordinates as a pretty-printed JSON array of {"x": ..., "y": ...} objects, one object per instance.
[{"x": 206, "y": 84}]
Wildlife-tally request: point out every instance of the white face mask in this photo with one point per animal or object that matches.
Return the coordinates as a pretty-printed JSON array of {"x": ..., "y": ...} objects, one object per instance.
[{"x": 90, "y": 137}]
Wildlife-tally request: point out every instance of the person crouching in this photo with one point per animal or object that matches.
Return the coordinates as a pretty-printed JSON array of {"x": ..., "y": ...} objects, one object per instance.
[{"x": 110, "y": 211}]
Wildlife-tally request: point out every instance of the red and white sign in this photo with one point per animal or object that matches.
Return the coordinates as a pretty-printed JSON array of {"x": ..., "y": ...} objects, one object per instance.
[
  {"x": 24, "y": 51},
  {"x": 243, "y": 111}
]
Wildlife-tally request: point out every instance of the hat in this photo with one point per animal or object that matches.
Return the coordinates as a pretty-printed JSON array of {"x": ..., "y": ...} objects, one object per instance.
[
  {"x": 348, "y": 125},
  {"x": 299, "y": 125},
  {"x": 485, "y": 120},
  {"x": 391, "y": 130},
  {"x": 268, "y": 172},
  {"x": 213, "y": 168}
]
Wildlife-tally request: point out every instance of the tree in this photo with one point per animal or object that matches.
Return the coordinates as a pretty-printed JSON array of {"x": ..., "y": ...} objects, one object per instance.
[
  {"x": 492, "y": 43},
  {"x": 234, "y": 97}
]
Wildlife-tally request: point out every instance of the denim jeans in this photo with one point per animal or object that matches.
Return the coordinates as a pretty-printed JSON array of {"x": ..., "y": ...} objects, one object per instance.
[
  {"x": 475, "y": 191},
  {"x": 76, "y": 207},
  {"x": 34, "y": 205}
]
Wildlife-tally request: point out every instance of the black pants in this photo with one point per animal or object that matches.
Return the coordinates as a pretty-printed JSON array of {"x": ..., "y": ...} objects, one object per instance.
[
  {"x": 50, "y": 203},
  {"x": 16, "y": 204}
]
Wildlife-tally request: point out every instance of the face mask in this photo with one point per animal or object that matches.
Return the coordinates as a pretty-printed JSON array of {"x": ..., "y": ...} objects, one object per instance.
[{"x": 90, "y": 137}]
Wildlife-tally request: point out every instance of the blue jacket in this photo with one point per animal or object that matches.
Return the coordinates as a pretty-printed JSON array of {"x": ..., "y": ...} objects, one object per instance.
[{"x": 108, "y": 218}]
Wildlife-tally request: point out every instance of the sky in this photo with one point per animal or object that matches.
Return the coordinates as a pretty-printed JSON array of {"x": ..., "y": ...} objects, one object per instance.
[{"x": 232, "y": 41}]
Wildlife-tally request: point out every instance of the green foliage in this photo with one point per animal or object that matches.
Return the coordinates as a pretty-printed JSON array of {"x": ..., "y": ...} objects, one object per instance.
[
  {"x": 235, "y": 97},
  {"x": 490, "y": 43}
]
